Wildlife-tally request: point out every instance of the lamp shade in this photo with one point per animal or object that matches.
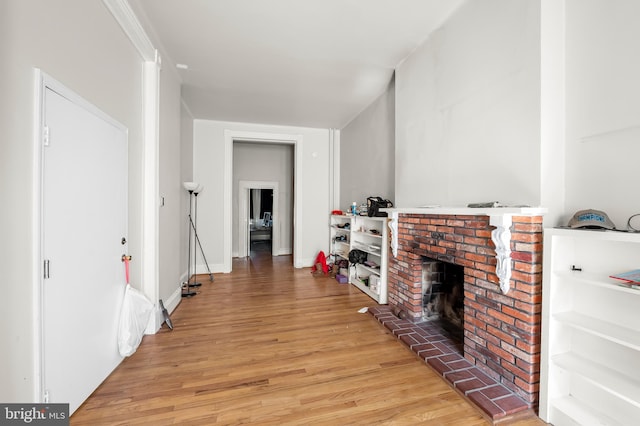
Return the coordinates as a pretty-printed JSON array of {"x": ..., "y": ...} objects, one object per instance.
[{"x": 190, "y": 186}]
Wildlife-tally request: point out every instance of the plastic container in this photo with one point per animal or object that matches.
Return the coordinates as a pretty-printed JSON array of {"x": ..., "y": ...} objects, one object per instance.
[{"x": 341, "y": 279}]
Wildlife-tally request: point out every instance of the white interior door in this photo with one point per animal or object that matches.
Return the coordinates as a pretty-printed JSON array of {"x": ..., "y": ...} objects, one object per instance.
[{"x": 84, "y": 238}]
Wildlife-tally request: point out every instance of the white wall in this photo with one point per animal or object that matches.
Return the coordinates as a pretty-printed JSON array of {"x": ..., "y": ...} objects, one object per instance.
[
  {"x": 552, "y": 110},
  {"x": 312, "y": 164},
  {"x": 186, "y": 175},
  {"x": 521, "y": 102},
  {"x": 78, "y": 43},
  {"x": 171, "y": 217},
  {"x": 603, "y": 107},
  {"x": 174, "y": 166},
  {"x": 270, "y": 163},
  {"x": 468, "y": 109},
  {"x": 367, "y": 152}
]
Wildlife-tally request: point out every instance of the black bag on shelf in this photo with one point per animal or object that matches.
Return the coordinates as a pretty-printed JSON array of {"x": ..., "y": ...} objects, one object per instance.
[
  {"x": 374, "y": 204},
  {"x": 357, "y": 256}
]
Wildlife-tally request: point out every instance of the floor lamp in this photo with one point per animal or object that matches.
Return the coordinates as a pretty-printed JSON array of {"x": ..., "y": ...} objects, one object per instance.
[
  {"x": 191, "y": 187},
  {"x": 192, "y": 224},
  {"x": 195, "y": 232}
]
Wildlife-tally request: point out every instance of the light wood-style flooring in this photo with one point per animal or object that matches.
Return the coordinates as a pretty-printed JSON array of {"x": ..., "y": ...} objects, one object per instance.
[{"x": 272, "y": 345}]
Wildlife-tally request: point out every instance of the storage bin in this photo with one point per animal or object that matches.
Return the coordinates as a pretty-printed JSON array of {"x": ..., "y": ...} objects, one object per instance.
[{"x": 341, "y": 279}]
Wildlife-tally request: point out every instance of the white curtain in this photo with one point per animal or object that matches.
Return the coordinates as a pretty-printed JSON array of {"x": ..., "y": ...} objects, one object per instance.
[{"x": 256, "y": 196}]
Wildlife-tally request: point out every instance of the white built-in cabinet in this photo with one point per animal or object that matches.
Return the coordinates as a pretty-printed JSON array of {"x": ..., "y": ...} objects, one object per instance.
[
  {"x": 369, "y": 234},
  {"x": 590, "y": 366}
]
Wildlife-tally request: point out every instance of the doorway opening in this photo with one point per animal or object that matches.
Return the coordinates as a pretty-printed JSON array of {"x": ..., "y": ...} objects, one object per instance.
[
  {"x": 233, "y": 209},
  {"x": 260, "y": 220},
  {"x": 264, "y": 217}
]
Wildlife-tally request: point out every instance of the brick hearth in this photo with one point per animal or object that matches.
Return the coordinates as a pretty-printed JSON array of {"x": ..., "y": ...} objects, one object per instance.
[
  {"x": 444, "y": 355},
  {"x": 501, "y": 331}
]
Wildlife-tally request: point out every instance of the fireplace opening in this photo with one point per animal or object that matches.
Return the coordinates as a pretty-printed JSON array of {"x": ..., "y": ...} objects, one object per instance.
[{"x": 443, "y": 297}]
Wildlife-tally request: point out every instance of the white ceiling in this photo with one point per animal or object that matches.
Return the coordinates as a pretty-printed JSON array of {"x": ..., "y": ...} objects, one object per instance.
[{"x": 310, "y": 63}]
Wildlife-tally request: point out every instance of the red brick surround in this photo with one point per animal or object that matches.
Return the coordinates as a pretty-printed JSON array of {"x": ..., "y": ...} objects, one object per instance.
[{"x": 502, "y": 331}]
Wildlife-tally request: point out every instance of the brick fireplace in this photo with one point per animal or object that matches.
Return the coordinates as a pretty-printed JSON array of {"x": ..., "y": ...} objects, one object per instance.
[{"x": 502, "y": 285}]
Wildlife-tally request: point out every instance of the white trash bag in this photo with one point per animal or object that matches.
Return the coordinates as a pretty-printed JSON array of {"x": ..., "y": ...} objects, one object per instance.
[{"x": 136, "y": 309}]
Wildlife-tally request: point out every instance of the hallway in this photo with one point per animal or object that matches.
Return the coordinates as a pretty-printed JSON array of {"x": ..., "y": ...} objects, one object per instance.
[{"x": 272, "y": 345}]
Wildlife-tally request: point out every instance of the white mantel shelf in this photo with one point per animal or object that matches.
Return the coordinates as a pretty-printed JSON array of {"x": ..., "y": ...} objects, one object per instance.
[
  {"x": 470, "y": 211},
  {"x": 500, "y": 217}
]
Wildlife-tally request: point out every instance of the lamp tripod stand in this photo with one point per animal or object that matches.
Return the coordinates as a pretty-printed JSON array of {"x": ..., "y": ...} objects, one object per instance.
[
  {"x": 194, "y": 189},
  {"x": 194, "y": 225}
]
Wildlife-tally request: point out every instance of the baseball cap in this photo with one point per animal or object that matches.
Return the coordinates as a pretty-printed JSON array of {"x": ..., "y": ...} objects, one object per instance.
[{"x": 591, "y": 219}]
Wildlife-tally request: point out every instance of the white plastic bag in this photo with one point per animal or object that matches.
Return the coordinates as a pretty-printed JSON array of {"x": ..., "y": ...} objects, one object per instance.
[{"x": 134, "y": 316}]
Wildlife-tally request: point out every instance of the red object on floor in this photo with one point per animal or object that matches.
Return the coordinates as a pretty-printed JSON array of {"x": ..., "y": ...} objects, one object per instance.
[{"x": 322, "y": 260}]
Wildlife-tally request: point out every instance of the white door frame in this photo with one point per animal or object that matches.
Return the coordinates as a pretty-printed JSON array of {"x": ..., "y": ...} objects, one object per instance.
[
  {"x": 244, "y": 192},
  {"x": 231, "y": 136}
]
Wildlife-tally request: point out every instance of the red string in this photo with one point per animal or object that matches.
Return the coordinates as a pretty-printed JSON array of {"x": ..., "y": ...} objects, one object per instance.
[{"x": 126, "y": 268}]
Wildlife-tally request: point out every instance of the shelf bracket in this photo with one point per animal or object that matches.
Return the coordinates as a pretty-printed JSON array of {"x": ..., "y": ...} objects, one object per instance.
[
  {"x": 501, "y": 237},
  {"x": 393, "y": 227}
]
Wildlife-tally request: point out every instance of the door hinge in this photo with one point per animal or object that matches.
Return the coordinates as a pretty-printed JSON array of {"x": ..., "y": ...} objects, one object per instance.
[
  {"x": 45, "y": 136},
  {"x": 46, "y": 269},
  {"x": 45, "y": 397}
]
